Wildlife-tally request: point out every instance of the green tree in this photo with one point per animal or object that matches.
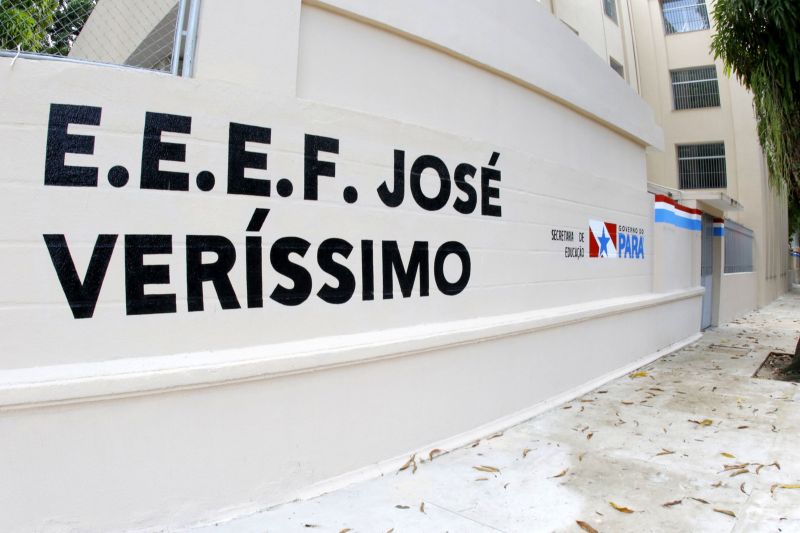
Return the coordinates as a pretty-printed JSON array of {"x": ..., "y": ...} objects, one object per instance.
[
  {"x": 24, "y": 23},
  {"x": 68, "y": 21},
  {"x": 47, "y": 26},
  {"x": 759, "y": 41}
]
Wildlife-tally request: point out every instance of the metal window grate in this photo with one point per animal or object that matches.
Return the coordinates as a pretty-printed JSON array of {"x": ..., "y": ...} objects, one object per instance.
[
  {"x": 610, "y": 8},
  {"x": 702, "y": 166},
  {"x": 695, "y": 88},
  {"x": 738, "y": 248},
  {"x": 682, "y": 16},
  {"x": 617, "y": 66},
  {"x": 120, "y": 32}
]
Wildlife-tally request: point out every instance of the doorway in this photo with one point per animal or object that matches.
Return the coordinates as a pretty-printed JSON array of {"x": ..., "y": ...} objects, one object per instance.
[{"x": 707, "y": 268}]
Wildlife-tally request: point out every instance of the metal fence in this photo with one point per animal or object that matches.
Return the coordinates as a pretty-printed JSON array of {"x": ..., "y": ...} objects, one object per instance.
[
  {"x": 702, "y": 166},
  {"x": 682, "y": 16},
  {"x": 152, "y": 34},
  {"x": 738, "y": 248},
  {"x": 694, "y": 88}
]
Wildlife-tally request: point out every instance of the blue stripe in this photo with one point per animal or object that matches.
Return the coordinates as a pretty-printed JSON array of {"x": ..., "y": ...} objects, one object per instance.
[
  {"x": 669, "y": 217},
  {"x": 719, "y": 232}
]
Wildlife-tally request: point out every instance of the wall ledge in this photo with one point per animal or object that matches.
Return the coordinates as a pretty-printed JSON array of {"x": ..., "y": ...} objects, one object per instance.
[{"x": 93, "y": 381}]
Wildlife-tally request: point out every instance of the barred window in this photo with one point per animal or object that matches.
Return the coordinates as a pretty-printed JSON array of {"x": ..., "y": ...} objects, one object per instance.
[
  {"x": 610, "y": 8},
  {"x": 617, "y": 66},
  {"x": 738, "y": 248},
  {"x": 682, "y": 16},
  {"x": 694, "y": 88},
  {"x": 702, "y": 166}
]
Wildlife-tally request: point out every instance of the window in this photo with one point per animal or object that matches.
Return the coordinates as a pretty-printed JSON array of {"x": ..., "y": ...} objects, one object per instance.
[
  {"x": 694, "y": 88},
  {"x": 610, "y": 7},
  {"x": 617, "y": 66},
  {"x": 681, "y": 16},
  {"x": 738, "y": 248},
  {"x": 702, "y": 166}
]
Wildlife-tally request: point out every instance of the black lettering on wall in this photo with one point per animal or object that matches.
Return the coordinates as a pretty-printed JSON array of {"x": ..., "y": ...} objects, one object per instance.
[
  {"x": 137, "y": 275},
  {"x": 60, "y": 143},
  {"x": 81, "y": 295},
  {"x": 314, "y": 168},
  {"x": 279, "y": 257},
  {"x": 255, "y": 284},
  {"x": 393, "y": 263},
  {"x": 488, "y": 175},
  {"x": 154, "y": 150},
  {"x": 240, "y": 159},
  {"x": 445, "y": 286},
  {"x": 462, "y": 172},
  {"x": 432, "y": 162},
  {"x": 217, "y": 272},
  {"x": 395, "y": 198},
  {"x": 347, "y": 282},
  {"x": 367, "y": 272}
]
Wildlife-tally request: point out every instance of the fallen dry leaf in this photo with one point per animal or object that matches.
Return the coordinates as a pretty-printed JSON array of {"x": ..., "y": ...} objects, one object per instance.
[
  {"x": 717, "y": 484},
  {"x": 586, "y": 527},
  {"x": 704, "y": 422},
  {"x": 743, "y": 427},
  {"x": 481, "y": 479},
  {"x": 620, "y": 508},
  {"x": 640, "y": 374},
  {"x": 490, "y": 437},
  {"x": 664, "y": 451},
  {"x": 725, "y": 511},
  {"x": 561, "y": 474},
  {"x": 673, "y": 502},
  {"x": 728, "y": 455},
  {"x": 412, "y": 462},
  {"x": 739, "y": 472},
  {"x": 701, "y": 500},
  {"x": 484, "y": 468},
  {"x": 735, "y": 467},
  {"x": 625, "y": 402},
  {"x": 422, "y": 507},
  {"x": 402, "y": 506},
  {"x": 433, "y": 453},
  {"x": 525, "y": 452},
  {"x": 590, "y": 435},
  {"x": 741, "y": 488},
  {"x": 788, "y": 486},
  {"x": 345, "y": 530}
]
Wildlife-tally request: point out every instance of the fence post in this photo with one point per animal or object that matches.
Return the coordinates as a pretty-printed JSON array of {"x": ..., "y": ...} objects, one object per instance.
[
  {"x": 191, "y": 39},
  {"x": 176, "y": 45}
]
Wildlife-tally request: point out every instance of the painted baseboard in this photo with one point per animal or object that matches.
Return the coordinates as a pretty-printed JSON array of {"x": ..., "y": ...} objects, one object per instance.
[{"x": 33, "y": 387}]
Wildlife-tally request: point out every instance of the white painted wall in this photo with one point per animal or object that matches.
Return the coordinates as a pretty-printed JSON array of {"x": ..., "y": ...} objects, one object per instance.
[
  {"x": 738, "y": 295},
  {"x": 124, "y": 422}
]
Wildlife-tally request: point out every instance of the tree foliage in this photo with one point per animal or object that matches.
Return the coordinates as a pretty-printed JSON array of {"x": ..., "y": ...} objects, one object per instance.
[
  {"x": 759, "y": 41},
  {"x": 24, "y": 23},
  {"x": 47, "y": 26}
]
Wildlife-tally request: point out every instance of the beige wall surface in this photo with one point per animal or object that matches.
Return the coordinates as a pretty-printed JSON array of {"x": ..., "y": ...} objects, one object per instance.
[
  {"x": 739, "y": 295},
  {"x": 733, "y": 123},
  {"x": 167, "y": 417}
]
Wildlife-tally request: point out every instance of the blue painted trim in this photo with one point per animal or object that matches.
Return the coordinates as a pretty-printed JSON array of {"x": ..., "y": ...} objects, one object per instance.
[
  {"x": 719, "y": 232},
  {"x": 669, "y": 217}
]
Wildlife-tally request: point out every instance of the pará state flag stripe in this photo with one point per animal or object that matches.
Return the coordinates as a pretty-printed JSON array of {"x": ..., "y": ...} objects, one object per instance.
[
  {"x": 602, "y": 239},
  {"x": 668, "y": 211}
]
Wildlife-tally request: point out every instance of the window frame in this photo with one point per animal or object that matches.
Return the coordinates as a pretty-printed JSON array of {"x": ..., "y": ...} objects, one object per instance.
[
  {"x": 673, "y": 83},
  {"x": 676, "y": 32},
  {"x": 683, "y": 182},
  {"x": 615, "y": 18}
]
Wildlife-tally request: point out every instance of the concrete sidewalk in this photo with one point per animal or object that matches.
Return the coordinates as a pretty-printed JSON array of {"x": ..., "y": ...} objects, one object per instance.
[{"x": 690, "y": 442}]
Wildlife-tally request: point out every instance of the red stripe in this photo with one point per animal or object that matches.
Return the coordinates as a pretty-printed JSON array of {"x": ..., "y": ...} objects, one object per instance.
[
  {"x": 668, "y": 200},
  {"x": 719, "y": 220}
]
